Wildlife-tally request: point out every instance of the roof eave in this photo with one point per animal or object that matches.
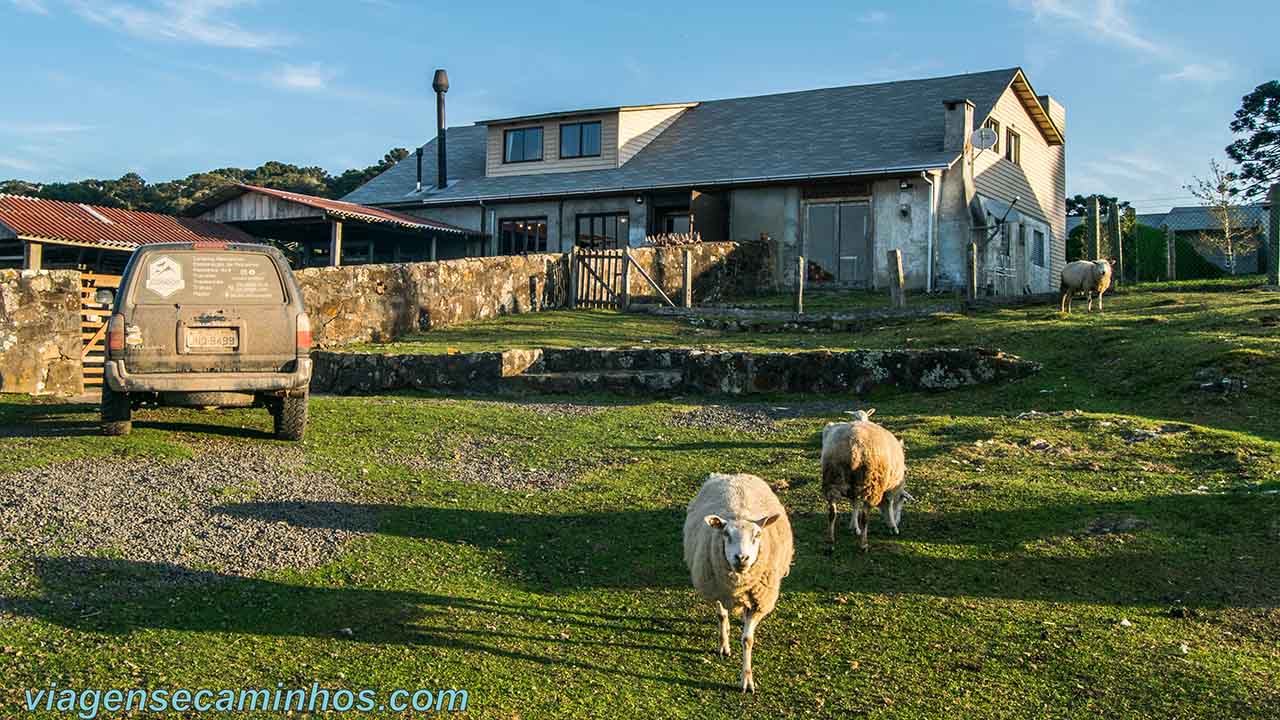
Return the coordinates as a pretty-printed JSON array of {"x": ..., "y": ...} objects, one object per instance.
[{"x": 467, "y": 200}]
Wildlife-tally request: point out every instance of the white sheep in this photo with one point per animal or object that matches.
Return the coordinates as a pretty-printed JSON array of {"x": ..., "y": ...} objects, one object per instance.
[
  {"x": 738, "y": 546},
  {"x": 866, "y": 464},
  {"x": 1086, "y": 276}
]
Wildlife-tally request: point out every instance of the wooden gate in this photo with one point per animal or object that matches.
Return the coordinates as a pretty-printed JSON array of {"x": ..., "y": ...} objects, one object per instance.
[
  {"x": 598, "y": 278},
  {"x": 93, "y": 324}
]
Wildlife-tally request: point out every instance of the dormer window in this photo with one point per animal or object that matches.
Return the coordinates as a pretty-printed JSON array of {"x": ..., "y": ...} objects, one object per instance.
[
  {"x": 522, "y": 145},
  {"x": 579, "y": 140}
]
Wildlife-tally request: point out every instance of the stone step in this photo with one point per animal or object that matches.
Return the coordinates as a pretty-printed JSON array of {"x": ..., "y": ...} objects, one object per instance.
[{"x": 623, "y": 382}]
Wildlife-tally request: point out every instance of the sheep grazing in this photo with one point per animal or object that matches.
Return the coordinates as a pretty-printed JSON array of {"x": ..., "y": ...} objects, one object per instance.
[
  {"x": 865, "y": 463},
  {"x": 738, "y": 546},
  {"x": 1086, "y": 276}
]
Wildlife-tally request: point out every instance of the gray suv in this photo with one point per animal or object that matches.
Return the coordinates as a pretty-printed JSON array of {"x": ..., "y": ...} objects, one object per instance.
[{"x": 207, "y": 324}]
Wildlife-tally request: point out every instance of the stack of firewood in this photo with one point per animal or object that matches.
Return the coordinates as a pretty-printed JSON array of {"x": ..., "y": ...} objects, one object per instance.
[{"x": 672, "y": 239}]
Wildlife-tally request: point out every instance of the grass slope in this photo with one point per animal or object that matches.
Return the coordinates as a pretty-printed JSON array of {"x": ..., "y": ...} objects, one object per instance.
[{"x": 1032, "y": 539}]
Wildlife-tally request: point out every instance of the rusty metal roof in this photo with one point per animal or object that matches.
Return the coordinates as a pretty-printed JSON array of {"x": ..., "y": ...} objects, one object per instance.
[
  {"x": 71, "y": 223},
  {"x": 335, "y": 208}
]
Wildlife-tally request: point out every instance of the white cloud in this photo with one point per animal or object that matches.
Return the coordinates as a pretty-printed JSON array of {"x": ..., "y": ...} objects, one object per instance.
[
  {"x": 46, "y": 128},
  {"x": 32, "y": 6},
  {"x": 873, "y": 17},
  {"x": 1200, "y": 72},
  {"x": 197, "y": 21},
  {"x": 14, "y": 163},
  {"x": 301, "y": 77},
  {"x": 1109, "y": 21}
]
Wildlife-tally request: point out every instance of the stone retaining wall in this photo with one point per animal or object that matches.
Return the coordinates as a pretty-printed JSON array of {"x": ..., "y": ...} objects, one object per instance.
[
  {"x": 378, "y": 303},
  {"x": 40, "y": 332},
  {"x": 667, "y": 371}
]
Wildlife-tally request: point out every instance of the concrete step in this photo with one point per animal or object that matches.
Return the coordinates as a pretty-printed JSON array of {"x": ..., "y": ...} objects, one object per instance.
[{"x": 623, "y": 382}]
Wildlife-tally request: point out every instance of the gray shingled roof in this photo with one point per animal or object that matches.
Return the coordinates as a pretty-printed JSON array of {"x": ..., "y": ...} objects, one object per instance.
[{"x": 860, "y": 129}]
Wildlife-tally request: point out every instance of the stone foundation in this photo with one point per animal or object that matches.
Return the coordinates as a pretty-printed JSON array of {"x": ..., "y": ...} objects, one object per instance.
[
  {"x": 650, "y": 371},
  {"x": 40, "y": 332}
]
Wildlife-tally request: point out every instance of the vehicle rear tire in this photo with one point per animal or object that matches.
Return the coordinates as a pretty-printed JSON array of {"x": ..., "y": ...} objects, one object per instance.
[
  {"x": 116, "y": 412},
  {"x": 290, "y": 415}
]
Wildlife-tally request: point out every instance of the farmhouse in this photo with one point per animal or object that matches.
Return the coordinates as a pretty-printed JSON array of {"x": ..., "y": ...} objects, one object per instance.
[{"x": 837, "y": 175}]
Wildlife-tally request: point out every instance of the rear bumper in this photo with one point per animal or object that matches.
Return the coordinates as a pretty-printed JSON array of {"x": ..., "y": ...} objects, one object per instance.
[{"x": 121, "y": 380}]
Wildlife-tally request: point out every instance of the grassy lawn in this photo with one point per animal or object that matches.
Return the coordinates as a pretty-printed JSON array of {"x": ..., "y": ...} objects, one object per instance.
[{"x": 1064, "y": 564}]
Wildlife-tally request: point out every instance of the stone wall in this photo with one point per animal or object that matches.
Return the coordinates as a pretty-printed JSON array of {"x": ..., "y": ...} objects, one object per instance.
[
  {"x": 656, "y": 371},
  {"x": 378, "y": 303},
  {"x": 40, "y": 332}
]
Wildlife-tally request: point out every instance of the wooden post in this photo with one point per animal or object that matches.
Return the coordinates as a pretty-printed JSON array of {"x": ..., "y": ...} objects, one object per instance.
[
  {"x": 433, "y": 248},
  {"x": 624, "y": 300},
  {"x": 971, "y": 272},
  {"x": 1093, "y": 229},
  {"x": 897, "y": 289},
  {"x": 335, "y": 243},
  {"x": 687, "y": 299},
  {"x": 573, "y": 277},
  {"x": 801, "y": 266},
  {"x": 1273, "y": 239},
  {"x": 1131, "y": 216},
  {"x": 1114, "y": 241},
  {"x": 534, "y": 296},
  {"x": 32, "y": 255},
  {"x": 1170, "y": 254}
]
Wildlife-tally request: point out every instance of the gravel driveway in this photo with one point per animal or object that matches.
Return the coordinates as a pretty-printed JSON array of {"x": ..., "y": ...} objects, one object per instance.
[{"x": 166, "y": 512}]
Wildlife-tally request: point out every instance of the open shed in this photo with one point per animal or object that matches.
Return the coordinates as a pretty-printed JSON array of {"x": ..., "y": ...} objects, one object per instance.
[
  {"x": 38, "y": 234},
  {"x": 319, "y": 231}
]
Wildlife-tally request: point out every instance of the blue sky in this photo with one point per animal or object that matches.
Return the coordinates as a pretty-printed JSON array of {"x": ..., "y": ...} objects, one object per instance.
[{"x": 98, "y": 88}]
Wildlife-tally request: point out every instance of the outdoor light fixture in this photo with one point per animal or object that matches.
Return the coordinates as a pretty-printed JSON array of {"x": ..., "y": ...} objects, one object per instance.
[
  {"x": 904, "y": 185},
  {"x": 639, "y": 199}
]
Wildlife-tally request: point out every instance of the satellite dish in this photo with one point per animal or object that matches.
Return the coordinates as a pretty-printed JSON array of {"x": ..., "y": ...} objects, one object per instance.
[{"x": 984, "y": 138}]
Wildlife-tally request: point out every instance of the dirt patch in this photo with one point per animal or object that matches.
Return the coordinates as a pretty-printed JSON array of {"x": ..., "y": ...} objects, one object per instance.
[
  {"x": 502, "y": 464},
  {"x": 721, "y": 417},
  {"x": 170, "y": 512}
]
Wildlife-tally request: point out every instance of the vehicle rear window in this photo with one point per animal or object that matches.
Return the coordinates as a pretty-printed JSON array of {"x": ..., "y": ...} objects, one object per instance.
[{"x": 202, "y": 278}]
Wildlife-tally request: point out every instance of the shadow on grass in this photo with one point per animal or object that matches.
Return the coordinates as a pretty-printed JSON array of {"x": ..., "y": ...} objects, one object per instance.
[
  {"x": 40, "y": 420},
  {"x": 1214, "y": 550},
  {"x": 102, "y": 595}
]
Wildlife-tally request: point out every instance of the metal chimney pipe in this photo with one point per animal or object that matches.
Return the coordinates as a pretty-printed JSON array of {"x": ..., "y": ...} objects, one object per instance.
[
  {"x": 440, "y": 83},
  {"x": 419, "y": 170}
]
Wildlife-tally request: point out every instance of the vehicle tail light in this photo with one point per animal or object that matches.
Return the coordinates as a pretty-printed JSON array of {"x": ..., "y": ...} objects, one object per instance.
[
  {"x": 115, "y": 334},
  {"x": 304, "y": 333}
]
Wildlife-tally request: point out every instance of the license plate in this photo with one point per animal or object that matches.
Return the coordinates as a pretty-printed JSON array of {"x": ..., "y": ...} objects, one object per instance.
[{"x": 219, "y": 339}]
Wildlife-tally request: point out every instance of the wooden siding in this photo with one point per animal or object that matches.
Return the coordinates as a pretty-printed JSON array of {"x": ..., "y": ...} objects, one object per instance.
[
  {"x": 1041, "y": 178},
  {"x": 637, "y": 128},
  {"x": 551, "y": 162},
  {"x": 257, "y": 206}
]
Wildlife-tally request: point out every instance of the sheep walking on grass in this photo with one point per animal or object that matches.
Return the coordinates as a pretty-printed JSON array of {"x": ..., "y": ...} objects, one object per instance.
[
  {"x": 866, "y": 464},
  {"x": 1087, "y": 276},
  {"x": 738, "y": 546}
]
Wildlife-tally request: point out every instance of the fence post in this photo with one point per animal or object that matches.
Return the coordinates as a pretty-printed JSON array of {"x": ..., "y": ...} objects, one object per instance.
[
  {"x": 534, "y": 295},
  {"x": 971, "y": 272},
  {"x": 800, "y": 273},
  {"x": 1093, "y": 229},
  {"x": 1273, "y": 239},
  {"x": 1114, "y": 240},
  {"x": 624, "y": 300},
  {"x": 1170, "y": 254},
  {"x": 335, "y": 243},
  {"x": 687, "y": 299},
  {"x": 897, "y": 289},
  {"x": 573, "y": 277}
]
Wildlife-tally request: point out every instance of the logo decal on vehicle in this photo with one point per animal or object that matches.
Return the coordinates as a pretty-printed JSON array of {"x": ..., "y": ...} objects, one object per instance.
[{"x": 164, "y": 276}]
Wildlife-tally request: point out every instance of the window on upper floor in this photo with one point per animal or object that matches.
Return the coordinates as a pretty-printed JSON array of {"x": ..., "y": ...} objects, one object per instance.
[
  {"x": 578, "y": 140},
  {"x": 522, "y": 145},
  {"x": 1013, "y": 147},
  {"x": 994, "y": 124}
]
